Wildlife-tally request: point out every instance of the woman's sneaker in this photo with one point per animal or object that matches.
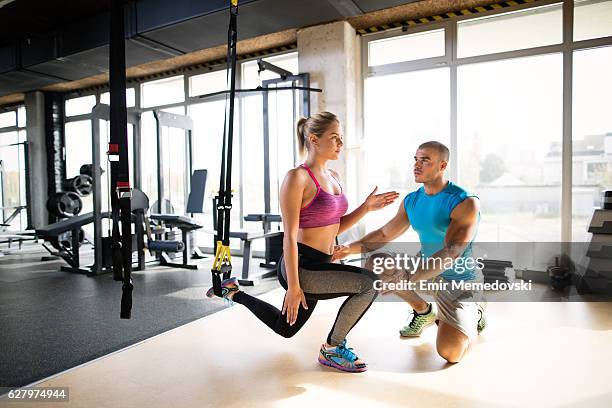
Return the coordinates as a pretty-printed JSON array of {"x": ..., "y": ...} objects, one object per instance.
[
  {"x": 418, "y": 322},
  {"x": 341, "y": 358},
  {"x": 228, "y": 288}
]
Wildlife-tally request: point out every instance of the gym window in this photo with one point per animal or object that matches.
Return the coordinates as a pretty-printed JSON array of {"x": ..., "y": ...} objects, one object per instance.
[
  {"x": 13, "y": 156},
  {"x": 591, "y": 135},
  {"x": 163, "y": 92},
  {"x": 208, "y": 83},
  {"x": 410, "y": 47},
  {"x": 80, "y": 106},
  {"x": 505, "y": 161},
  {"x": 130, "y": 97},
  {"x": 8, "y": 119},
  {"x": 535, "y": 27},
  {"x": 592, "y": 19},
  {"x": 500, "y": 138},
  {"x": 394, "y": 125}
]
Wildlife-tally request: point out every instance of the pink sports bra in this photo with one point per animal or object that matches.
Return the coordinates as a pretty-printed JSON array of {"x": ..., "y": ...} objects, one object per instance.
[{"x": 324, "y": 209}]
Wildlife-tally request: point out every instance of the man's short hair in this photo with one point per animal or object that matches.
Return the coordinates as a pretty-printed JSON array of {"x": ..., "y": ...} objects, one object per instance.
[{"x": 439, "y": 147}]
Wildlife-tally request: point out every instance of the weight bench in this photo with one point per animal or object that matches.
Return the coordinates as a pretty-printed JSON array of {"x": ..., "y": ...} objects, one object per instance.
[
  {"x": 186, "y": 225},
  {"x": 274, "y": 244},
  {"x": 69, "y": 253}
]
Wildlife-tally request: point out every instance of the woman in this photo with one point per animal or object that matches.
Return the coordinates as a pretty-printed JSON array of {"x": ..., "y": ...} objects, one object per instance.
[{"x": 313, "y": 208}]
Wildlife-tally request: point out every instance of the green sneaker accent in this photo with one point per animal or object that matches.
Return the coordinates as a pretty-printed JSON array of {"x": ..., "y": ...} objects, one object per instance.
[
  {"x": 418, "y": 322},
  {"x": 482, "y": 319}
]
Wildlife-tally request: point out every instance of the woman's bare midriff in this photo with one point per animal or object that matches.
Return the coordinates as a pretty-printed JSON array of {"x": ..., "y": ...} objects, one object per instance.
[{"x": 320, "y": 238}]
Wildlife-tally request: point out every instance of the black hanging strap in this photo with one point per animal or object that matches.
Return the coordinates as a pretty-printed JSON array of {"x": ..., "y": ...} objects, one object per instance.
[
  {"x": 118, "y": 156},
  {"x": 222, "y": 265}
]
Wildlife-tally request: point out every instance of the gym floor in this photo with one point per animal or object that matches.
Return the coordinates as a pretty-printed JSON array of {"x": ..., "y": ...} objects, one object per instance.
[
  {"x": 531, "y": 354},
  {"x": 52, "y": 320}
]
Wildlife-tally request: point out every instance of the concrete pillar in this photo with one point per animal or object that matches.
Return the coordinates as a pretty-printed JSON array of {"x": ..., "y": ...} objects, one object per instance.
[
  {"x": 37, "y": 159},
  {"x": 331, "y": 53}
]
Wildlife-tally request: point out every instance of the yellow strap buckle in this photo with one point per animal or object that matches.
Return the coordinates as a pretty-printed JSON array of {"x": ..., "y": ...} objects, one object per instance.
[{"x": 222, "y": 256}]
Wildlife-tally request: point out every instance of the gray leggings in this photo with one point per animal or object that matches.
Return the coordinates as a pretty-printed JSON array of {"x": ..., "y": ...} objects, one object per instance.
[{"x": 319, "y": 279}]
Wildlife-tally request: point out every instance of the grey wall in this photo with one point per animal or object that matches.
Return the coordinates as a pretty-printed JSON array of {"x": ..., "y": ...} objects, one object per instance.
[{"x": 37, "y": 160}]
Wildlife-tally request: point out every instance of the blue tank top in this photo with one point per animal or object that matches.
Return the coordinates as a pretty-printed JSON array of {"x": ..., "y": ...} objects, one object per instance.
[{"x": 429, "y": 215}]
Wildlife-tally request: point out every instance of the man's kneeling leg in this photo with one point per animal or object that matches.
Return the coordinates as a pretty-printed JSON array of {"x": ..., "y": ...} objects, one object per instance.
[{"x": 451, "y": 343}]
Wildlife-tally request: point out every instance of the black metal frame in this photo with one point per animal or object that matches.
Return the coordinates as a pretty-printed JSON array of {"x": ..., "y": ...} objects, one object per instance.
[
  {"x": 262, "y": 89},
  {"x": 301, "y": 83},
  {"x": 305, "y": 90}
]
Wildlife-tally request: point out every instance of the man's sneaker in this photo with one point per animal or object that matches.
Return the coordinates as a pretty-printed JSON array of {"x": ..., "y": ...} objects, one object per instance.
[
  {"x": 418, "y": 322},
  {"x": 228, "y": 287},
  {"x": 482, "y": 319},
  {"x": 341, "y": 358}
]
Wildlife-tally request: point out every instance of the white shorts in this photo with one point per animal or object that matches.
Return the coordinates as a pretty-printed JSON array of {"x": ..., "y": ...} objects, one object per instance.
[{"x": 456, "y": 307}]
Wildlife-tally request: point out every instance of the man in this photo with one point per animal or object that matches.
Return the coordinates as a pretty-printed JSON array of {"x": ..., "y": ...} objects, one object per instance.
[{"x": 446, "y": 218}]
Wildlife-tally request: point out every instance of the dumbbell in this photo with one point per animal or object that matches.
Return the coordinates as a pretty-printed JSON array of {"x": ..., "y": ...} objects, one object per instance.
[
  {"x": 65, "y": 204},
  {"x": 87, "y": 169},
  {"x": 81, "y": 184}
]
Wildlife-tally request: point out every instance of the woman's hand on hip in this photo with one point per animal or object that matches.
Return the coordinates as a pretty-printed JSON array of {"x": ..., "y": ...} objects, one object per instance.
[{"x": 341, "y": 252}]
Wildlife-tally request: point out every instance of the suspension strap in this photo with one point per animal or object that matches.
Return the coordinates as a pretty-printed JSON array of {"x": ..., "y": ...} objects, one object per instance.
[
  {"x": 222, "y": 265},
  {"x": 120, "y": 190}
]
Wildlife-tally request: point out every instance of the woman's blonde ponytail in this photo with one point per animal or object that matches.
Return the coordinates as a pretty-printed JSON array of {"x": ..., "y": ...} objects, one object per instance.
[
  {"x": 301, "y": 136},
  {"x": 316, "y": 124}
]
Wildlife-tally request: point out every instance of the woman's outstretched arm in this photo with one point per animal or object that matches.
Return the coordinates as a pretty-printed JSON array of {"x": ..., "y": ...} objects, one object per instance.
[{"x": 371, "y": 203}]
